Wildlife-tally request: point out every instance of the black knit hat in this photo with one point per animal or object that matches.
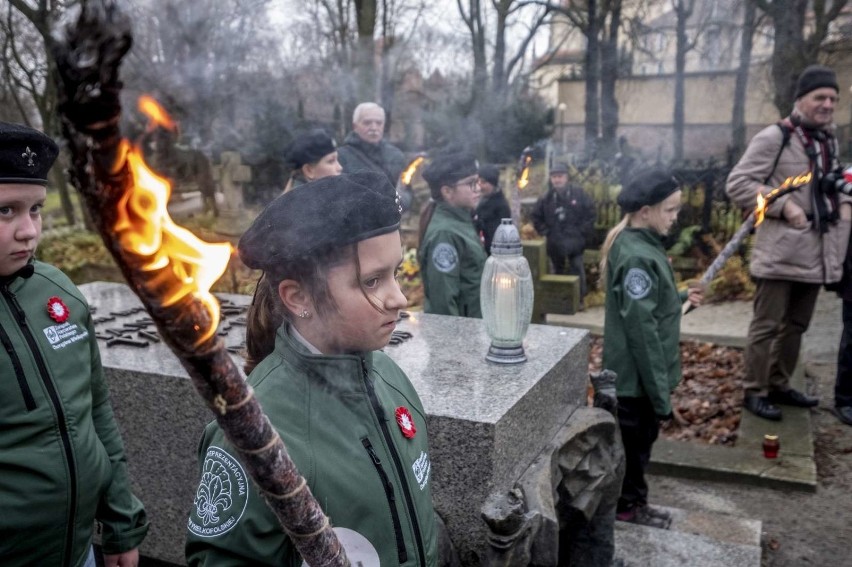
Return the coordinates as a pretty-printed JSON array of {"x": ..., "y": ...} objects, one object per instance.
[
  {"x": 816, "y": 77},
  {"x": 26, "y": 155},
  {"x": 327, "y": 213},
  {"x": 449, "y": 166},
  {"x": 490, "y": 173},
  {"x": 309, "y": 148},
  {"x": 647, "y": 187}
]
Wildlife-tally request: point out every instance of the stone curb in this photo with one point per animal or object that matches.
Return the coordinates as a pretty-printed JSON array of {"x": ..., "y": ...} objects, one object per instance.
[{"x": 795, "y": 469}]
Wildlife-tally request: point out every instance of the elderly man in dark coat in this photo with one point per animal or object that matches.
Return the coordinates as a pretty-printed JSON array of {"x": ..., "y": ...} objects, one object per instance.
[{"x": 364, "y": 149}]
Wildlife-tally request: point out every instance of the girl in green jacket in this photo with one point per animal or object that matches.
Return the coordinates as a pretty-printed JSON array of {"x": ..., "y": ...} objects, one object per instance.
[
  {"x": 451, "y": 254},
  {"x": 62, "y": 460},
  {"x": 349, "y": 417},
  {"x": 642, "y": 328}
]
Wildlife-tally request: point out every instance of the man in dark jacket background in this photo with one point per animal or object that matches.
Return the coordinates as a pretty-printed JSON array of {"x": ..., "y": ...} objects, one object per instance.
[
  {"x": 565, "y": 216},
  {"x": 364, "y": 149},
  {"x": 492, "y": 207}
]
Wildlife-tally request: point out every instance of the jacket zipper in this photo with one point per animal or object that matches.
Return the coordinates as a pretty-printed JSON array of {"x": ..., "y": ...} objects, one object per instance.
[
  {"x": 383, "y": 424},
  {"x": 29, "y": 400},
  {"x": 60, "y": 416},
  {"x": 388, "y": 486}
]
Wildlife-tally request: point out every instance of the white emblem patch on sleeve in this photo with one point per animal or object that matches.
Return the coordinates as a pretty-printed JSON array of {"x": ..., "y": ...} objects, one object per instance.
[
  {"x": 445, "y": 257},
  {"x": 637, "y": 282},
  {"x": 222, "y": 495}
]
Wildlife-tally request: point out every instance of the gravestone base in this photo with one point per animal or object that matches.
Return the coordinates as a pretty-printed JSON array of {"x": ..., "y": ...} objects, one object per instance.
[{"x": 487, "y": 422}]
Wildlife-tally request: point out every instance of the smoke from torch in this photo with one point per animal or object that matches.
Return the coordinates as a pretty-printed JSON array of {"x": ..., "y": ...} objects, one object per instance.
[{"x": 752, "y": 221}]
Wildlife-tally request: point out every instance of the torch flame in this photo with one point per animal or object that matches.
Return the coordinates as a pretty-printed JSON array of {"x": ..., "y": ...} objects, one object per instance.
[
  {"x": 524, "y": 178},
  {"x": 763, "y": 200},
  {"x": 408, "y": 174},
  {"x": 186, "y": 264},
  {"x": 156, "y": 113}
]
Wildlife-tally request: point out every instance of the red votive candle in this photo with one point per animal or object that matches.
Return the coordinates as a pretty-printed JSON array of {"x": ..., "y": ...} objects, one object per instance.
[{"x": 771, "y": 445}]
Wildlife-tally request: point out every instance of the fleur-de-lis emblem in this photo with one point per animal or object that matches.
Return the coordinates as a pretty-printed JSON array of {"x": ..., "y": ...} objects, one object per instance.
[{"x": 30, "y": 155}]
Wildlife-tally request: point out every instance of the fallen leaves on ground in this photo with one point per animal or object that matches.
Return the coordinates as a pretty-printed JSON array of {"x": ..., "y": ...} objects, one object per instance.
[{"x": 708, "y": 399}]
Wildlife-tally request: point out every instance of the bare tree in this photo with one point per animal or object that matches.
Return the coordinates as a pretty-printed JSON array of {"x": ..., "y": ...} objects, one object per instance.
[
  {"x": 738, "y": 123},
  {"x": 793, "y": 49},
  {"x": 32, "y": 72},
  {"x": 610, "y": 66},
  {"x": 683, "y": 10},
  {"x": 600, "y": 22},
  {"x": 200, "y": 58}
]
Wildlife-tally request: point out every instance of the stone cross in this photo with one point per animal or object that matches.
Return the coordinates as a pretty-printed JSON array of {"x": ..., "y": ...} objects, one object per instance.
[{"x": 232, "y": 174}]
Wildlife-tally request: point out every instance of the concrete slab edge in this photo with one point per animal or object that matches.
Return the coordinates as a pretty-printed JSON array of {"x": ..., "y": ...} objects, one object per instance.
[{"x": 728, "y": 464}]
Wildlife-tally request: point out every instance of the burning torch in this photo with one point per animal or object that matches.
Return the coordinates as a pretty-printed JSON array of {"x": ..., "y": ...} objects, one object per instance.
[
  {"x": 523, "y": 179},
  {"x": 751, "y": 222},
  {"x": 404, "y": 188},
  {"x": 169, "y": 268}
]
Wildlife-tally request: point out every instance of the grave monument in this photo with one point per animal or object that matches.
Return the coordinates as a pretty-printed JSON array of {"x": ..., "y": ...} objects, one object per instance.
[{"x": 522, "y": 470}]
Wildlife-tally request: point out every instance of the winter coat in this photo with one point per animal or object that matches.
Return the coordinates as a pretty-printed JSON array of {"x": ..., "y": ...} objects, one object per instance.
[
  {"x": 565, "y": 220},
  {"x": 781, "y": 251},
  {"x": 62, "y": 463},
  {"x": 492, "y": 208},
  {"x": 337, "y": 416},
  {"x": 642, "y": 319},
  {"x": 357, "y": 155},
  {"x": 451, "y": 260}
]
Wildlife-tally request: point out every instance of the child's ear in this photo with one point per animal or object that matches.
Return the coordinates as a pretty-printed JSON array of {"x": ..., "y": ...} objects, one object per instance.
[
  {"x": 294, "y": 298},
  {"x": 446, "y": 191}
]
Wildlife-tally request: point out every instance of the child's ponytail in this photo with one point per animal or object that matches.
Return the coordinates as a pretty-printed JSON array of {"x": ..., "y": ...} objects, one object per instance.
[
  {"x": 262, "y": 321},
  {"x": 610, "y": 238}
]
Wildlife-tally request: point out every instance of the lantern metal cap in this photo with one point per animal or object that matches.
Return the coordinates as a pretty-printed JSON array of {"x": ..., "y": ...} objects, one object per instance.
[{"x": 507, "y": 240}]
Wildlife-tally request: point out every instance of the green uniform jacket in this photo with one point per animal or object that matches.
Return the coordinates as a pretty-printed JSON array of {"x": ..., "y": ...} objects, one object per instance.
[
  {"x": 451, "y": 260},
  {"x": 642, "y": 319},
  {"x": 336, "y": 415},
  {"x": 62, "y": 463}
]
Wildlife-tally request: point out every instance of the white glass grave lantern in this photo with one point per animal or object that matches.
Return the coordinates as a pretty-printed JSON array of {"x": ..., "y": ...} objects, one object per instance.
[{"x": 506, "y": 296}]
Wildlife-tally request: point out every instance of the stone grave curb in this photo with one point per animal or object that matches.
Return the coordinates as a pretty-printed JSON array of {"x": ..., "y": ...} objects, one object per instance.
[{"x": 795, "y": 469}]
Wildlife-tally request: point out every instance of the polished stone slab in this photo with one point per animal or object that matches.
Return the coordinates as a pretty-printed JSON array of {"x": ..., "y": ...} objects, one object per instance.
[{"x": 486, "y": 421}]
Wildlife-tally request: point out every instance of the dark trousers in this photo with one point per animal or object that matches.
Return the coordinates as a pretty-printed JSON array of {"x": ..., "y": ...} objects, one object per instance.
[
  {"x": 639, "y": 429},
  {"x": 571, "y": 266},
  {"x": 843, "y": 385},
  {"x": 782, "y": 313}
]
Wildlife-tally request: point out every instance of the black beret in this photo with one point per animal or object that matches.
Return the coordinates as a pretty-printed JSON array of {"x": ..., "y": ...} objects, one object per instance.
[
  {"x": 815, "y": 77},
  {"x": 559, "y": 167},
  {"x": 490, "y": 173},
  {"x": 26, "y": 155},
  {"x": 448, "y": 167},
  {"x": 309, "y": 148},
  {"x": 647, "y": 187},
  {"x": 330, "y": 212}
]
